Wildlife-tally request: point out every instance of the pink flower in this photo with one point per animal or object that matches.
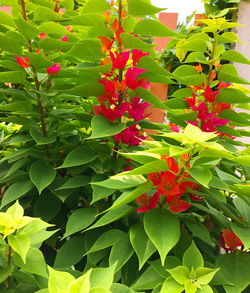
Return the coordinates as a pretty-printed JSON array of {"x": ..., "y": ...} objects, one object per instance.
[
  {"x": 132, "y": 81},
  {"x": 137, "y": 55},
  {"x": 137, "y": 109},
  {"x": 54, "y": 69},
  {"x": 113, "y": 112},
  {"x": 174, "y": 127},
  {"x": 119, "y": 60},
  {"x": 23, "y": 61},
  {"x": 109, "y": 89},
  {"x": 42, "y": 36},
  {"x": 65, "y": 38},
  {"x": 211, "y": 124},
  {"x": 210, "y": 95}
]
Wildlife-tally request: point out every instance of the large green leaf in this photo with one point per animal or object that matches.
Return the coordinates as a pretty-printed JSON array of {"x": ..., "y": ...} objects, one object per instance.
[
  {"x": 78, "y": 157},
  {"x": 16, "y": 190},
  {"x": 42, "y": 174},
  {"x": 88, "y": 89},
  {"x": 243, "y": 233},
  {"x": 28, "y": 30},
  {"x": 12, "y": 76},
  {"x": 234, "y": 267},
  {"x": 10, "y": 45},
  {"x": 142, "y": 245},
  {"x": 42, "y": 13},
  {"x": 142, "y": 8},
  {"x": 80, "y": 219},
  {"x": 150, "y": 98},
  {"x": 232, "y": 95},
  {"x": 229, "y": 73},
  {"x": 90, "y": 19},
  {"x": 121, "y": 182},
  {"x": 102, "y": 127},
  {"x": 131, "y": 42},
  {"x": 170, "y": 285},
  {"x": 163, "y": 229},
  {"x": 6, "y": 19},
  {"x": 38, "y": 60},
  {"x": 75, "y": 182},
  {"x": 88, "y": 50},
  {"x": 154, "y": 28},
  {"x": 201, "y": 174},
  {"x": 20, "y": 244},
  {"x": 234, "y": 56},
  {"x": 102, "y": 277},
  {"x": 187, "y": 75},
  {"x": 98, "y": 6}
]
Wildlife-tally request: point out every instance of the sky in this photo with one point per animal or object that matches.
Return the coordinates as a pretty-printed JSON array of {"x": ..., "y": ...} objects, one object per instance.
[{"x": 183, "y": 7}]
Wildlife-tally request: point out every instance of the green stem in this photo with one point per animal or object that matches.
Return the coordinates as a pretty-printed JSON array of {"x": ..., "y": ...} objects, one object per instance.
[{"x": 212, "y": 60}]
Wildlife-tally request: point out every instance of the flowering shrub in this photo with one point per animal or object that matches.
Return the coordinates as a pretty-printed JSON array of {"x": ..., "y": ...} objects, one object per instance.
[{"x": 126, "y": 212}]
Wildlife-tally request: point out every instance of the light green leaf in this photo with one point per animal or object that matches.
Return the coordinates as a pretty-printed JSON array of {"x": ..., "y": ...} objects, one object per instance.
[
  {"x": 10, "y": 45},
  {"x": 163, "y": 229},
  {"x": 150, "y": 98},
  {"x": 80, "y": 219},
  {"x": 232, "y": 95},
  {"x": 170, "y": 285},
  {"x": 180, "y": 274},
  {"x": 102, "y": 277},
  {"x": 42, "y": 174},
  {"x": 243, "y": 233},
  {"x": 80, "y": 285},
  {"x": 192, "y": 257},
  {"x": 131, "y": 42},
  {"x": 28, "y": 30},
  {"x": 42, "y": 13},
  {"x": 90, "y": 19},
  {"x": 205, "y": 275},
  {"x": 201, "y": 174},
  {"x": 234, "y": 56},
  {"x": 96, "y": 6},
  {"x": 20, "y": 244},
  {"x": 142, "y": 8},
  {"x": 12, "y": 76},
  {"x": 59, "y": 281},
  {"x": 75, "y": 182}
]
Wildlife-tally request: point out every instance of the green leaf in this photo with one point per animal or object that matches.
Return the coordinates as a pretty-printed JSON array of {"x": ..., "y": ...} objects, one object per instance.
[
  {"x": 142, "y": 245},
  {"x": 243, "y": 208},
  {"x": 192, "y": 257},
  {"x": 6, "y": 19},
  {"x": 112, "y": 216},
  {"x": 180, "y": 274},
  {"x": 16, "y": 190},
  {"x": 234, "y": 56},
  {"x": 232, "y": 95},
  {"x": 40, "y": 139},
  {"x": 102, "y": 127},
  {"x": 9, "y": 45},
  {"x": 170, "y": 285},
  {"x": 51, "y": 27},
  {"x": 182, "y": 93},
  {"x": 163, "y": 229},
  {"x": 78, "y": 157},
  {"x": 98, "y": 290},
  {"x": 20, "y": 244},
  {"x": 129, "y": 195},
  {"x": 35, "y": 263},
  {"x": 42, "y": 13},
  {"x": 131, "y": 42},
  {"x": 228, "y": 37},
  {"x": 45, "y": 211},
  {"x": 205, "y": 275},
  {"x": 121, "y": 182},
  {"x": 38, "y": 60},
  {"x": 98, "y": 6},
  {"x": 229, "y": 73},
  {"x": 28, "y": 30},
  {"x": 88, "y": 50},
  {"x": 242, "y": 233},
  {"x": 201, "y": 174},
  {"x": 59, "y": 281},
  {"x": 154, "y": 28},
  {"x": 150, "y": 98},
  {"x": 88, "y": 89},
  {"x": 196, "y": 57},
  {"x": 120, "y": 288},
  {"x": 195, "y": 45},
  {"x": 150, "y": 64},
  {"x": 102, "y": 277},
  {"x": 12, "y": 76},
  {"x": 107, "y": 239},
  {"x": 187, "y": 75},
  {"x": 142, "y": 8},
  {"x": 5, "y": 272},
  {"x": 234, "y": 268},
  {"x": 41, "y": 175},
  {"x": 75, "y": 182},
  {"x": 121, "y": 252},
  {"x": 235, "y": 117},
  {"x": 90, "y": 19},
  {"x": 80, "y": 219},
  {"x": 190, "y": 287},
  {"x": 70, "y": 253}
]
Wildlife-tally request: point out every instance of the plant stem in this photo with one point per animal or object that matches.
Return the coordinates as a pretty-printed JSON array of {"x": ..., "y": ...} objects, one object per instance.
[
  {"x": 211, "y": 65},
  {"x": 24, "y": 10}
]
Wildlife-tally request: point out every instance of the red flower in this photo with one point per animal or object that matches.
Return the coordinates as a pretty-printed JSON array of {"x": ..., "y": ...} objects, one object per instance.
[
  {"x": 54, "y": 69},
  {"x": 219, "y": 107},
  {"x": 106, "y": 43},
  {"x": 42, "y": 36},
  {"x": 65, "y": 38},
  {"x": 229, "y": 241},
  {"x": 118, "y": 35},
  {"x": 211, "y": 124},
  {"x": 109, "y": 88},
  {"x": 137, "y": 55},
  {"x": 130, "y": 136},
  {"x": 155, "y": 178},
  {"x": 172, "y": 165},
  {"x": 168, "y": 185},
  {"x": 177, "y": 205},
  {"x": 69, "y": 28},
  {"x": 137, "y": 109},
  {"x": 23, "y": 61},
  {"x": 147, "y": 203},
  {"x": 132, "y": 81},
  {"x": 223, "y": 85},
  {"x": 113, "y": 112},
  {"x": 119, "y": 60},
  {"x": 210, "y": 95},
  {"x": 174, "y": 127},
  {"x": 191, "y": 101}
]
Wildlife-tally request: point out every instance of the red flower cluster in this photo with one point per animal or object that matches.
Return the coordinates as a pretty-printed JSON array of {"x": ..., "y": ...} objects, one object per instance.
[
  {"x": 229, "y": 241},
  {"x": 203, "y": 100},
  {"x": 118, "y": 102},
  {"x": 171, "y": 184}
]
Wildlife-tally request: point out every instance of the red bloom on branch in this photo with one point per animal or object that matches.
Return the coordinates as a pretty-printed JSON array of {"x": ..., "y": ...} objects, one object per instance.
[
  {"x": 137, "y": 109},
  {"x": 23, "y": 61},
  {"x": 113, "y": 112},
  {"x": 147, "y": 203},
  {"x": 132, "y": 80},
  {"x": 177, "y": 205},
  {"x": 42, "y": 36},
  {"x": 65, "y": 38},
  {"x": 229, "y": 241},
  {"x": 109, "y": 88},
  {"x": 119, "y": 61},
  {"x": 137, "y": 55},
  {"x": 106, "y": 43},
  {"x": 130, "y": 136},
  {"x": 210, "y": 95},
  {"x": 54, "y": 69}
]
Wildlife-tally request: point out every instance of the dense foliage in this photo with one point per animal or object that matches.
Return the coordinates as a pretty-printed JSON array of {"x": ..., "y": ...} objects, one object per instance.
[{"x": 89, "y": 201}]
